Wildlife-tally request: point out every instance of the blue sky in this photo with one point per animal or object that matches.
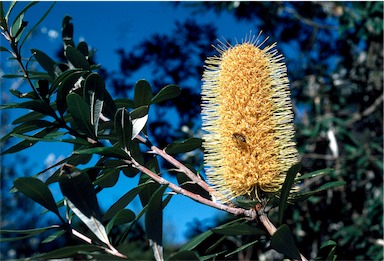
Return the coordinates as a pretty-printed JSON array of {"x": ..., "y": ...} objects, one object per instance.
[{"x": 107, "y": 26}]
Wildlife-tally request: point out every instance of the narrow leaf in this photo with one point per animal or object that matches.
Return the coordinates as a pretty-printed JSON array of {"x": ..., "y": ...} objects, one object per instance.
[
  {"x": 80, "y": 113},
  {"x": 94, "y": 89},
  {"x": 194, "y": 242},
  {"x": 36, "y": 105},
  {"x": 122, "y": 217},
  {"x": 123, "y": 201},
  {"x": 241, "y": 248},
  {"x": 65, "y": 83},
  {"x": 139, "y": 117},
  {"x": 105, "y": 151},
  {"x": 47, "y": 63},
  {"x": 67, "y": 251},
  {"x": 168, "y": 92},
  {"x": 287, "y": 186},
  {"x": 238, "y": 229},
  {"x": 184, "y": 146},
  {"x": 283, "y": 242},
  {"x": 76, "y": 58},
  {"x": 154, "y": 222},
  {"x": 123, "y": 127},
  {"x": 36, "y": 25},
  {"x": 80, "y": 195},
  {"x": 53, "y": 237},
  {"x": 38, "y": 191}
]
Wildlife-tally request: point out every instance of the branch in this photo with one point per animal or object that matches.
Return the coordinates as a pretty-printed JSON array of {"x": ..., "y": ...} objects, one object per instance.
[
  {"x": 180, "y": 167},
  {"x": 250, "y": 213}
]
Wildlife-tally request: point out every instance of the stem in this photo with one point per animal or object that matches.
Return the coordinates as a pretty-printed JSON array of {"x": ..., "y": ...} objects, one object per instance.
[{"x": 177, "y": 164}]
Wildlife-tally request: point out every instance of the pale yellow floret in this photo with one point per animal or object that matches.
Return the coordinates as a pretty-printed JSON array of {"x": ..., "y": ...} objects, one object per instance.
[{"x": 247, "y": 117}]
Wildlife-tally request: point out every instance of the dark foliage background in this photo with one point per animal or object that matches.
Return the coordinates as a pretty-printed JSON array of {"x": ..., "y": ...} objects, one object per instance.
[{"x": 334, "y": 56}]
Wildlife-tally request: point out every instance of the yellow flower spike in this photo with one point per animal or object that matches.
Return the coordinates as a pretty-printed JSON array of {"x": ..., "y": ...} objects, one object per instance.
[{"x": 247, "y": 118}]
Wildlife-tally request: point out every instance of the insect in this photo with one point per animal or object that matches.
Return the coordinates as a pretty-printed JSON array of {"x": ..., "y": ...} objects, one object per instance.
[{"x": 240, "y": 140}]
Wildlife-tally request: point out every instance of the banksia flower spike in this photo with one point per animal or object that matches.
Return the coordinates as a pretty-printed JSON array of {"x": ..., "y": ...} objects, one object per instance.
[{"x": 247, "y": 118}]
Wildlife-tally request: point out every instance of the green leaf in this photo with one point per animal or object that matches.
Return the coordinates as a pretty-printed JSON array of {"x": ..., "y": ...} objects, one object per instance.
[
  {"x": 122, "y": 217},
  {"x": 287, "y": 186},
  {"x": 123, "y": 201},
  {"x": 283, "y": 242},
  {"x": 194, "y": 242},
  {"x": 65, "y": 83},
  {"x": 123, "y": 127},
  {"x": 37, "y": 24},
  {"x": 147, "y": 193},
  {"x": 11, "y": 6},
  {"x": 238, "y": 229},
  {"x": 242, "y": 248},
  {"x": 327, "y": 251},
  {"x": 105, "y": 151},
  {"x": 29, "y": 143},
  {"x": 82, "y": 47},
  {"x": 76, "y": 58},
  {"x": 94, "y": 89},
  {"x": 123, "y": 102},
  {"x": 53, "y": 237},
  {"x": 154, "y": 222},
  {"x": 303, "y": 196},
  {"x": 315, "y": 174},
  {"x": 184, "y": 146},
  {"x": 17, "y": 25},
  {"x": 26, "y": 127},
  {"x": 36, "y": 105},
  {"x": 26, "y": 233},
  {"x": 3, "y": 49},
  {"x": 188, "y": 184},
  {"x": 47, "y": 63},
  {"x": 168, "y": 92},
  {"x": 139, "y": 117},
  {"x": 28, "y": 117},
  {"x": 246, "y": 203},
  {"x": 80, "y": 113},
  {"x": 108, "y": 178},
  {"x": 109, "y": 108},
  {"x": 184, "y": 255},
  {"x": 80, "y": 195},
  {"x": 143, "y": 94},
  {"x": 67, "y": 251},
  {"x": 38, "y": 191}
]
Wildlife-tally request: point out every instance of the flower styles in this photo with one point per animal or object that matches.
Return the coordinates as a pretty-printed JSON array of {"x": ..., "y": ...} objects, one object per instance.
[{"x": 247, "y": 118}]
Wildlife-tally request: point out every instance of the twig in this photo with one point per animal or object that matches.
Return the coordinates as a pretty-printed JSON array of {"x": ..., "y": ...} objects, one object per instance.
[{"x": 177, "y": 164}]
